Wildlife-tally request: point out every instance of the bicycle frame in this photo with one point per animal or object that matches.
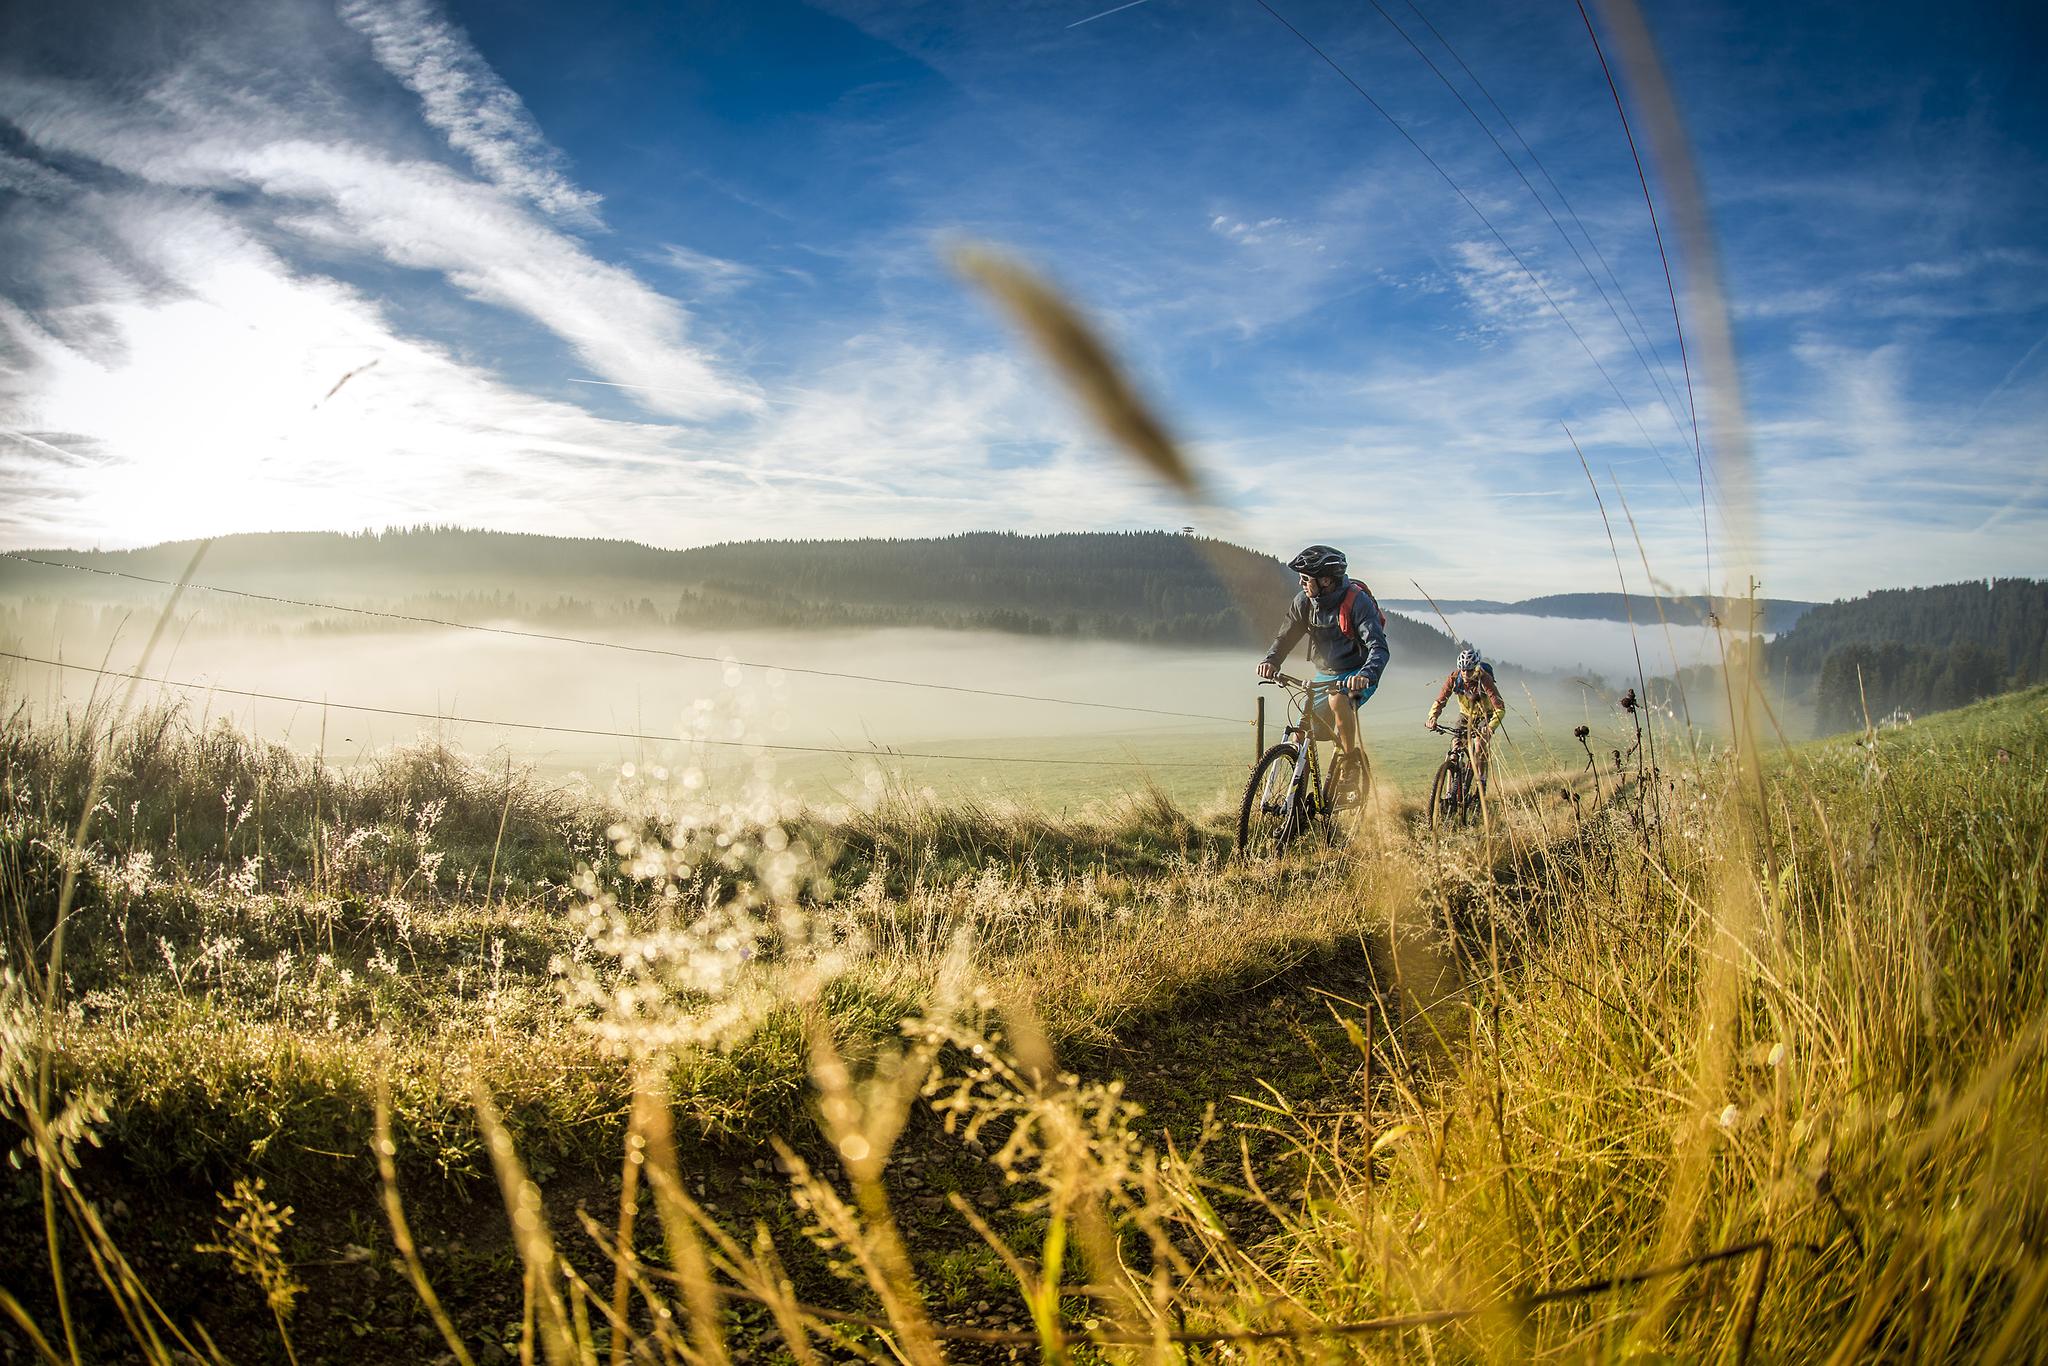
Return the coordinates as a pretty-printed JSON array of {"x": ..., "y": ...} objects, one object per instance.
[
  {"x": 1300, "y": 799},
  {"x": 1464, "y": 774},
  {"x": 1301, "y": 696},
  {"x": 1461, "y": 735}
]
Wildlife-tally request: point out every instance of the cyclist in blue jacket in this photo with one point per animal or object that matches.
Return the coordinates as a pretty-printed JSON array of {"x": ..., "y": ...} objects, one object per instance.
[{"x": 1347, "y": 635}]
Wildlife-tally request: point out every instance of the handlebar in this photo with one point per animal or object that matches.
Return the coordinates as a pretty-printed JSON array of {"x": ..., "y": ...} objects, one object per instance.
[{"x": 1290, "y": 681}]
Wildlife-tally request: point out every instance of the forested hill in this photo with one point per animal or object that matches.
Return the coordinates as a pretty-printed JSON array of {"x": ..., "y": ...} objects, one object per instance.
[
  {"x": 1919, "y": 649},
  {"x": 1155, "y": 587},
  {"x": 2007, "y": 617},
  {"x": 1779, "y": 614}
]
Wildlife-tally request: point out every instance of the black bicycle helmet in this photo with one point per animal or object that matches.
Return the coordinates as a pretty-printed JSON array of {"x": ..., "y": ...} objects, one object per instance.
[{"x": 1319, "y": 561}]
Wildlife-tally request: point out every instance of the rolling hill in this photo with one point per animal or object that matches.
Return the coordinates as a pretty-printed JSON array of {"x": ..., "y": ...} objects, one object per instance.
[
  {"x": 1149, "y": 587},
  {"x": 1918, "y": 649}
]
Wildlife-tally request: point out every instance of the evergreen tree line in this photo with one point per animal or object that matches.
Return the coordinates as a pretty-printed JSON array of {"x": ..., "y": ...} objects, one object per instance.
[
  {"x": 1917, "y": 649},
  {"x": 2007, "y": 617},
  {"x": 1860, "y": 683}
]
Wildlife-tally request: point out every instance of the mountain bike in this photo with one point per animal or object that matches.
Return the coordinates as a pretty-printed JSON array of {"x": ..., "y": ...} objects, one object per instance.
[
  {"x": 1455, "y": 797},
  {"x": 1287, "y": 796}
]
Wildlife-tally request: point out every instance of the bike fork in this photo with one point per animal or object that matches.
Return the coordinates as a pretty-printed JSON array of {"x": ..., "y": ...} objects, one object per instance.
[
  {"x": 1300, "y": 782},
  {"x": 1304, "y": 764}
]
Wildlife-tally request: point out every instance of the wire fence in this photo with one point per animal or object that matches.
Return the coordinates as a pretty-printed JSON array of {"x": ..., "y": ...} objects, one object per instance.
[
  {"x": 875, "y": 751},
  {"x": 601, "y": 644},
  {"x": 871, "y": 752}
]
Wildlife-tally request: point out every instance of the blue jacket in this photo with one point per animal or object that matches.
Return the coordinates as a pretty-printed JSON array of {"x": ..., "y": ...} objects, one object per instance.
[{"x": 1334, "y": 650}]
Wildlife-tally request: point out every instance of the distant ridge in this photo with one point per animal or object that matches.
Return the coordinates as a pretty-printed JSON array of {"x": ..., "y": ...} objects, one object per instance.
[
  {"x": 1779, "y": 614},
  {"x": 1150, "y": 587}
]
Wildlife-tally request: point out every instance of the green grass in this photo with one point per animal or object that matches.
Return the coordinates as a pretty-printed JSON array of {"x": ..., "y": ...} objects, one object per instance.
[
  {"x": 255, "y": 942},
  {"x": 1588, "y": 1044}
]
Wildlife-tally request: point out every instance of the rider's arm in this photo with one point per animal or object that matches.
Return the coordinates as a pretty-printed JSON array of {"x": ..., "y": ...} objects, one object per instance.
[
  {"x": 1290, "y": 633},
  {"x": 1443, "y": 695}
]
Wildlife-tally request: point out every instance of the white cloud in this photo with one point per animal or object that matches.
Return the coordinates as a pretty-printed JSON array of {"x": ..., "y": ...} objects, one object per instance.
[
  {"x": 713, "y": 275},
  {"x": 204, "y": 404},
  {"x": 200, "y": 404},
  {"x": 1252, "y": 234},
  {"x": 19, "y": 175},
  {"x": 1786, "y": 303},
  {"x": 413, "y": 214},
  {"x": 1870, "y": 487},
  {"x": 460, "y": 95},
  {"x": 1501, "y": 291}
]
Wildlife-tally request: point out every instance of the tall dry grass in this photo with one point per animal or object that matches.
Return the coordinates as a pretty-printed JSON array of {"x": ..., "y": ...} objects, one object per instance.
[{"x": 1499, "y": 1184}]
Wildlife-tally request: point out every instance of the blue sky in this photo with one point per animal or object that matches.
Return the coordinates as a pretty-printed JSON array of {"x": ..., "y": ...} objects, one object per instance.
[{"x": 679, "y": 273}]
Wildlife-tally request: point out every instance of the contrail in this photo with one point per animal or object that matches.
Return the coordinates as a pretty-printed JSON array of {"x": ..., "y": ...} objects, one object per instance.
[
  {"x": 41, "y": 444},
  {"x": 1106, "y": 13},
  {"x": 2000, "y": 387},
  {"x": 2013, "y": 505}
]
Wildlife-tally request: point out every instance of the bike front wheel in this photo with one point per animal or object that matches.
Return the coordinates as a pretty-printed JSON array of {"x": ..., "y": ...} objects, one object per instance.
[
  {"x": 1271, "y": 815},
  {"x": 1450, "y": 800}
]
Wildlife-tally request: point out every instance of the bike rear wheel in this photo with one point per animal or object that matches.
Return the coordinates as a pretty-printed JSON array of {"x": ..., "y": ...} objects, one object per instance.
[{"x": 1271, "y": 815}]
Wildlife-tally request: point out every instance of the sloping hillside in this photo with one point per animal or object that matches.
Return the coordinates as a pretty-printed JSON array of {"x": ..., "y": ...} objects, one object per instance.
[
  {"x": 1918, "y": 649},
  {"x": 2007, "y": 617},
  {"x": 1153, "y": 587}
]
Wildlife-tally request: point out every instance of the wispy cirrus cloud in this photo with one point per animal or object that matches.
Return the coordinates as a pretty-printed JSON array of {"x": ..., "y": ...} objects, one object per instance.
[
  {"x": 462, "y": 96},
  {"x": 207, "y": 412},
  {"x": 411, "y": 214},
  {"x": 215, "y": 215},
  {"x": 1277, "y": 231},
  {"x": 712, "y": 275},
  {"x": 1503, "y": 293},
  {"x": 19, "y": 175}
]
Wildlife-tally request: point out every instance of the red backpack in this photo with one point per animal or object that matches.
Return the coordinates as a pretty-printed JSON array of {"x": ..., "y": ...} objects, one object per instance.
[{"x": 1344, "y": 609}]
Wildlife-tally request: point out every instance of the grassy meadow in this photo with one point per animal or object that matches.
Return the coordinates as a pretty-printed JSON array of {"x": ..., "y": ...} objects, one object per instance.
[{"x": 429, "y": 1058}]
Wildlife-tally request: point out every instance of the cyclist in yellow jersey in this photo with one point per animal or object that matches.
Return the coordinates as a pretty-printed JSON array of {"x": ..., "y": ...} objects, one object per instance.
[{"x": 1471, "y": 682}]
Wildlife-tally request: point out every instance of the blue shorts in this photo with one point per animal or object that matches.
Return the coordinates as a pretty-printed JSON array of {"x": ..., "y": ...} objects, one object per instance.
[{"x": 1322, "y": 703}]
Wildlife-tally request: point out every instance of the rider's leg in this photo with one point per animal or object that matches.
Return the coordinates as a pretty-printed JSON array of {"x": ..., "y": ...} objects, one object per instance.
[
  {"x": 1347, "y": 724},
  {"x": 1326, "y": 709}
]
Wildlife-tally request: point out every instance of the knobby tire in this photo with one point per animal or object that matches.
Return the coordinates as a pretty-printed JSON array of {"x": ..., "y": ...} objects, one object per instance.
[
  {"x": 1261, "y": 831},
  {"x": 1443, "y": 810}
]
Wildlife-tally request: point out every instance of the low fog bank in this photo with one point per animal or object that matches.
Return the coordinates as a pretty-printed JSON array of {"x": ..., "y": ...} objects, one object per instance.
[
  {"x": 1601, "y": 650},
  {"x": 464, "y": 677}
]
